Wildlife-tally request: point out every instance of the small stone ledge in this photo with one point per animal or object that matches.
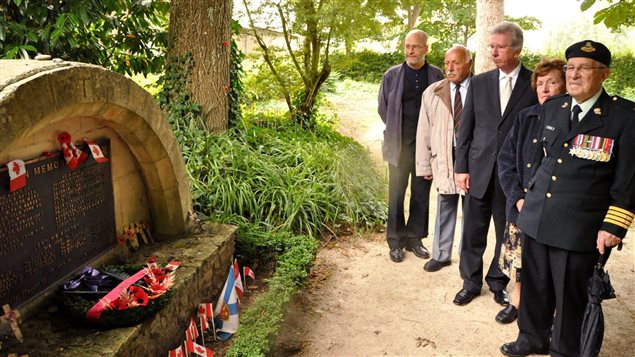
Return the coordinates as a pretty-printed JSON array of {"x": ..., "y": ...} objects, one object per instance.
[{"x": 205, "y": 259}]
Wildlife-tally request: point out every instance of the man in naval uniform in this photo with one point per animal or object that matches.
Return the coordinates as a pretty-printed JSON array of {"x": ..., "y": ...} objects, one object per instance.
[{"x": 580, "y": 201}]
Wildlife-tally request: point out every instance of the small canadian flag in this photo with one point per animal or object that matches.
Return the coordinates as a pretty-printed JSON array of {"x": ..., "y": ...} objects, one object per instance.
[
  {"x": 177, "y": 352},
  {"x": 95, "y": 150},
  {"x": 72, "y": 154},
  {"x": 205, "y": 310},
  {"x": 191, "y": 346},
  {"x": 17, "y": 175}
]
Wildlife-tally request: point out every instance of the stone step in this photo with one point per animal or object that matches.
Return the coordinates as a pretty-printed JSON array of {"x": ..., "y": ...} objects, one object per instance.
[{"x": 205, "y": 259}]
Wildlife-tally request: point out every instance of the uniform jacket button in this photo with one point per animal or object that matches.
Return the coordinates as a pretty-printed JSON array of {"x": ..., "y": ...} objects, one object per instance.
[
  {"x": 566, "y": 145},
  {"x": 529, "y": 164},
  {"x": 548, "y": 194},
  {"x": 560, "y": 161},
  {"x": 553, "y": 178}
]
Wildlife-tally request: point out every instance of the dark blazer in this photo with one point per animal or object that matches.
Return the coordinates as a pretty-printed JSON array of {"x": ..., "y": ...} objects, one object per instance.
[
  {"x": 483, "y": 129},
  {"x": 571, "y": 198},
  {"x": 390, "y": 107},
  {"x": 518, "y": 156}
]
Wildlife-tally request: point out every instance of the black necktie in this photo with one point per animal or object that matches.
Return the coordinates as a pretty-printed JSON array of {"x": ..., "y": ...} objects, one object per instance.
[
  {"x": 458, "y": 107},
  {"x": 575, "y": 113}
]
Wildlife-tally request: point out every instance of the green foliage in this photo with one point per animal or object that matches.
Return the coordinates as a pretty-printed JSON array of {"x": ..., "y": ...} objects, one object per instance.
[
  {"x": 260, "y": 323},
  {"x": 621, "y": 81},
  {"x": 236, "y": 87},
  {"x": 619, "y": 14},
  {"x": 370, "y": 66},
  {"x": 284, "y": 177},
  {"x": 261, "y": 86},
  {"x": 127, "y": 36},
  {"x": 174, "y": 96}
]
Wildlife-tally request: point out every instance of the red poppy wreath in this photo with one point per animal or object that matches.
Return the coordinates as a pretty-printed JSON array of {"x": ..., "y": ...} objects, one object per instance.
[{"x": 118, "y": 296}]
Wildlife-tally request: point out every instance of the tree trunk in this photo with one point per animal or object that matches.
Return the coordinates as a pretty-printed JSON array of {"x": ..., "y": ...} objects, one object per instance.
[
  {"x": 413, "y": 15},
  {"x": 204, "y": 28},
  {"x": 488, "y": 14}
]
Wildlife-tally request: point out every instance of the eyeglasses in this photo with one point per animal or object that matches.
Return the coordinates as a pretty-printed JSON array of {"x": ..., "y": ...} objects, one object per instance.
[
  {"x": 582, "y": 69},
  {"x": 498, "y": 47},
  {"x": 414, "y": 47}
]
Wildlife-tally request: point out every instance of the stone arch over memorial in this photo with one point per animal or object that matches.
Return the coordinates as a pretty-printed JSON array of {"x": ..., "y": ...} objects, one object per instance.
[{"x": 38, "y": 99}]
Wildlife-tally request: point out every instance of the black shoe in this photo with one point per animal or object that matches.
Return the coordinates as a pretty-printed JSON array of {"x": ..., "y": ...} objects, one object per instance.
[
  {"x": 419, "y": 251},
  {"x": 501, "y": 297},
  {"x": 435, "y": 265},
  {"x": 512, "y": 349},
  {"x": 464, "y": 297},
  {"x": 507, "y": 315},
  {"x": 396, "y": 255}
]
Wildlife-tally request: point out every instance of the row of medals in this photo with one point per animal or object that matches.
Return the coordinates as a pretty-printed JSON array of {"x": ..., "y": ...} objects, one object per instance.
[{"x": 584, "y": 153}]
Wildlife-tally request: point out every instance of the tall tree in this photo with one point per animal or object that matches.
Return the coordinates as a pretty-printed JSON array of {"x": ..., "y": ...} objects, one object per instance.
[
  {"x": 203, "y": 28},
  {"x": 309, "y": 29},
  {"x": 488, "y": 14}
]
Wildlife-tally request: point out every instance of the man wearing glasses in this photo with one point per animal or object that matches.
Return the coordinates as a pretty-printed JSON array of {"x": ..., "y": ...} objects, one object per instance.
[
  {"x": 399, "y": 103},
  {"x": 493, "y": 101},
  {"x": 580, "y": 200}
]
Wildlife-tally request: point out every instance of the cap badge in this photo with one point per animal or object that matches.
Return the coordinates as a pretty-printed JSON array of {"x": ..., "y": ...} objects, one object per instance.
[{"x": 588, "y": 47}]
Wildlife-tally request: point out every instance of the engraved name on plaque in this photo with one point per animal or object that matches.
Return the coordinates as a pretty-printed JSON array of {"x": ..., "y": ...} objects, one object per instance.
[{"x": 57, "y": 223}]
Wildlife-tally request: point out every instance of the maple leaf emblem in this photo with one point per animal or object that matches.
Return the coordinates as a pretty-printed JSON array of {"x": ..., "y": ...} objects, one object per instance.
[
  {"x": 96, "y": 151},
  {"x": 16, "y": 168}
]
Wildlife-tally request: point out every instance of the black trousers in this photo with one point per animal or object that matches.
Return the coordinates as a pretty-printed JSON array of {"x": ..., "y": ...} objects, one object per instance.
[
  {"x": 553, "y": 279},
  {"x": 400, "y": 233},
  {"x": 477, "y": 213}
]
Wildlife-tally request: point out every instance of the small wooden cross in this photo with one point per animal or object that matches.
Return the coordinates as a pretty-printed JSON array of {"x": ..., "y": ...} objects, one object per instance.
[{"x": 13, "y": 316}]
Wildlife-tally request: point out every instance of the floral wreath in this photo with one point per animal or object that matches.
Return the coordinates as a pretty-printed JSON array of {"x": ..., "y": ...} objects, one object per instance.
[{"x": 118, "y": 296}]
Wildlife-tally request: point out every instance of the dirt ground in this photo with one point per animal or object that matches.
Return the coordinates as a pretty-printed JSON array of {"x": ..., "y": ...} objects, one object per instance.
[{"x": 359, "y": 303}]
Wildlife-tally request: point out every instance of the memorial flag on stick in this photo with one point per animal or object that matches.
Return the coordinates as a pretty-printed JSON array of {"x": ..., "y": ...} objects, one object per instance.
[
  {"x": 17, "y": 175},
  {"x": 238, "y": 282},
  {"x": 177, "y": 352},
  {"x": 95, "y": 150},
  {"x": 72, "y": 155},
  {"x": 205, "y": 310},
  {"x": 247, "y": 272},
  {"x": 226, "y": 311},
  {"x": 192, "y": 332},
  {"x": 193, "y": 347}
]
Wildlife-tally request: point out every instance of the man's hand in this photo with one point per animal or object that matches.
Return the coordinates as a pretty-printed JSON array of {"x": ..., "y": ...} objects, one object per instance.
[
  {"x": 427, "y": 177},
  {"x": 606, "y": 239},
  {"x": 463, "y": 181},
  {"x": 520, "y": 203}
]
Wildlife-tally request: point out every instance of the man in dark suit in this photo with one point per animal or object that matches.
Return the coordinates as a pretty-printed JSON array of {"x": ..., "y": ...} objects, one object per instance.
[
  {"x": 399, "y": 104},
  {"x": 493, "y": 100},
  {"x": 580, "y": 200}
]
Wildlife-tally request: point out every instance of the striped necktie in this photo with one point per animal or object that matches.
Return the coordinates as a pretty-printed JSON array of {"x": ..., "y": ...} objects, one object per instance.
[{"x": 458, "y": 108}]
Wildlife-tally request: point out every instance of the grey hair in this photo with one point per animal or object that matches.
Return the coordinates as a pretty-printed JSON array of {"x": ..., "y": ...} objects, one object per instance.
[
  {"x": 513, "y": 29},
  {"x": 468, "y": 54},
  {"x": 417, "y": 31}
]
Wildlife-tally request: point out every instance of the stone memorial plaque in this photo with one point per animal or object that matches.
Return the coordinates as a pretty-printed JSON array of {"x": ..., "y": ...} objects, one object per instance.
[{"x": 57, "y": 223}]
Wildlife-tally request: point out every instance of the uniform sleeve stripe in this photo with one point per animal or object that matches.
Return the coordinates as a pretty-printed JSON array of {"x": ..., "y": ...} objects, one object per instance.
[
  {"x": 620, "y": 224},
  {"x": 619, "y": 214},
  {"x": 615, "y": 209},
  {"x": 618, "y": 219}
]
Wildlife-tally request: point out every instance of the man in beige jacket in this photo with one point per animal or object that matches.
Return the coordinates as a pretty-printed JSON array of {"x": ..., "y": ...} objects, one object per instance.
[{"x": 439, "y": 119}]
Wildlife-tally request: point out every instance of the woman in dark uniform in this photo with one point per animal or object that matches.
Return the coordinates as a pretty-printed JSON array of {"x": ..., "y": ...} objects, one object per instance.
[{"x": 517, "y": 157}]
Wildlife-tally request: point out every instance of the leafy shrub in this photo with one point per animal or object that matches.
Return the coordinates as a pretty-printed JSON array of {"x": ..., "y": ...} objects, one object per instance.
[
  {"x": 260, "y": 323},
  {"x": 295, "y": 180},
  {"x": 370, "y": 66}
]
